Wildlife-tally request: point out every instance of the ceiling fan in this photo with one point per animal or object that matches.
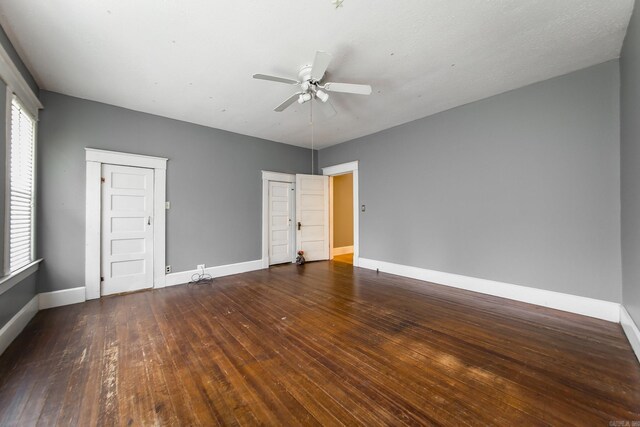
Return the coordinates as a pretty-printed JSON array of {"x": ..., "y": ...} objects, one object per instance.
[{"x": 312, "y": 87}]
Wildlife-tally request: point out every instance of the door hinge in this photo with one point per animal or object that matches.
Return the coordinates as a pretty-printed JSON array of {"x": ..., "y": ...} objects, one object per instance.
[
  {"x": 101, "y": 279},
  {"x": 102, "y": 179}
]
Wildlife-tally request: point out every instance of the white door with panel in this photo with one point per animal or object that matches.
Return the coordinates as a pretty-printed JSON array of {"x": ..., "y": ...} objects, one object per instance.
[
  {"x": 127, "y": 229},
  {"x": 281, "y": 243},
  {"x": 312, "y": 216}
]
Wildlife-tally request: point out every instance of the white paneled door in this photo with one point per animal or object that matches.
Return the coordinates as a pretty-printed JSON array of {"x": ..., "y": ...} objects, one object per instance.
[
  {"x": 312, "y": 216},
  {"x": 280, "y": 222},
  {"x": 127, "y": 229}
]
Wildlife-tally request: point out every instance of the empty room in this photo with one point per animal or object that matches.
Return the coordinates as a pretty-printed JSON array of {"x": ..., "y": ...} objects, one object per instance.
[{"x": 320, "y": 212}]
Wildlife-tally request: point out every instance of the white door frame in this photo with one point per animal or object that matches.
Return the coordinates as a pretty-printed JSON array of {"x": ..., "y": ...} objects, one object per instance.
[
  {"x": 331, "y": 217},
  {"x": 341, "y": 169},
  {"x": 94, "y": 160},
  {"x": 279, "y": 177}
]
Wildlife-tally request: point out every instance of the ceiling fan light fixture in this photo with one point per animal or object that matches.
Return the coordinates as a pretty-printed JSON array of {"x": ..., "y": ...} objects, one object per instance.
[
  {"x": 304, "y": 97},
  {"x": 322, "y": 95}
]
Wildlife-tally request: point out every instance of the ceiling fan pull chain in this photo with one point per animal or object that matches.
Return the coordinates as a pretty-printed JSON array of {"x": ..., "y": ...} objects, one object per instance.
[{"x": 311, "y": 120}]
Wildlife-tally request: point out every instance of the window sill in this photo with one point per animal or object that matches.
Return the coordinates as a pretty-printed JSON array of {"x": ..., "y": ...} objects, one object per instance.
[{"x": 8, "y": 282}]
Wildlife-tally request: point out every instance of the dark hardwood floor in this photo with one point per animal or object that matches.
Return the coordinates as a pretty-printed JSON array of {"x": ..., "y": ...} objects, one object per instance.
[{"x": 319, "y": 344}]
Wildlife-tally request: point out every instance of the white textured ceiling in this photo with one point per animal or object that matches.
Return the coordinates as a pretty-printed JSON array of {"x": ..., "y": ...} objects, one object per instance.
[{"x": 193, "y": 60}]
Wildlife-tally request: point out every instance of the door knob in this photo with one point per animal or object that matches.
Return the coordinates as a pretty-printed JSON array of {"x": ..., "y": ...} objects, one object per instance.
[
  {"x": 299, "y": 225},
  {"x": 149, "y": 221}
]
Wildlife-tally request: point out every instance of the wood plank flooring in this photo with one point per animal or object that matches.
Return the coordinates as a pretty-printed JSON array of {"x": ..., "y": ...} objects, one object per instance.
[
  {"x": 322, "y": 344},
  {"x": 346, "y": 258}
]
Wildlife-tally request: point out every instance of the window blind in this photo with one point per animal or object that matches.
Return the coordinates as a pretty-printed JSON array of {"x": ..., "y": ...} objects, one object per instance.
[{"x": 21, "y": 170}]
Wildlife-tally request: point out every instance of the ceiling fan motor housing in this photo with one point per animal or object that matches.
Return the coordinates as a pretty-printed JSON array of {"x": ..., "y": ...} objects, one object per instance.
[
  {"x": 308, "y": 86},
  {"x": 304, "y": 75}
]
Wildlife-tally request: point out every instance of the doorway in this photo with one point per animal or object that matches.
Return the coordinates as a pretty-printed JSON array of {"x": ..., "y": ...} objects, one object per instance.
[
  {"x": 341, "y": 217},
  {"x": 308, "y": 219},
  {"x": 281, "y": 211},
  {"x": 151, "y": 228},
  {"x": 272, "y": 184},
  {"x": 312, "y": 212},
  {"x": 341, "y": 247},
  {"x": 127, "y": 229}
]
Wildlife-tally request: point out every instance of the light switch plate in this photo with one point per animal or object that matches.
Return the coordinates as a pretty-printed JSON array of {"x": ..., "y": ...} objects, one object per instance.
[{"x": 167, "y": 205}]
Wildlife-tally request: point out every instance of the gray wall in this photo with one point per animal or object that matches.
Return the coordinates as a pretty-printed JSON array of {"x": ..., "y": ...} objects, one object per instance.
[
  {"x": 15, "y": 298},
  {"x": 522, "y": 187},
  {"x": 214, "y": 184},
  {"x": 630, "y": 165},
  {"x": 12, "y": 301}
]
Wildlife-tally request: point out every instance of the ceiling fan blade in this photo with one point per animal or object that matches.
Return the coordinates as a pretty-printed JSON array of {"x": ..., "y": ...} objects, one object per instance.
[
  {"x": 326, "y": 108},
  {"x": 293, "y": 98},
  {"x": 275, "y": 79},
  {"x": 348, "y": 88},
  {"x": 320, "y": 64}
]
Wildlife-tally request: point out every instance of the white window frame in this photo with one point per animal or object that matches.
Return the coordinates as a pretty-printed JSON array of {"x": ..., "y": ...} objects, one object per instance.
[
  {"x": 16, "y": 84},
  {"x": 7, "y": 198}
]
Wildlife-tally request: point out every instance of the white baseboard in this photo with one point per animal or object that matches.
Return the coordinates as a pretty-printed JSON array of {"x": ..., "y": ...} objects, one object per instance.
[
  {"x": 16, "y": 324},
  {"x": 63, "y": 297},
  {"x": 342, "y": 250},
  {"x": 599, "y": 309},
  {"x": 631, "y": 330},
  {"x": 182, "y": 277}
]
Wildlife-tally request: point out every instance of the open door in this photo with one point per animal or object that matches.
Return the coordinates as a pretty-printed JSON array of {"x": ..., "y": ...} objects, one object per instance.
[{"x": 312, "y": 216}]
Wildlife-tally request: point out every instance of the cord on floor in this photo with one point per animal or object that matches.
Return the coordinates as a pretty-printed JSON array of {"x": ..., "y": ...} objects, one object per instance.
[{"x": 201, "y": 279}]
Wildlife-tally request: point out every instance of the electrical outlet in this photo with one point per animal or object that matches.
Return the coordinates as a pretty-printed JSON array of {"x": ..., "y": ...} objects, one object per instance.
[
  {"x": 200, "y": 267},
  {"x": 167, "y": 269}
]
